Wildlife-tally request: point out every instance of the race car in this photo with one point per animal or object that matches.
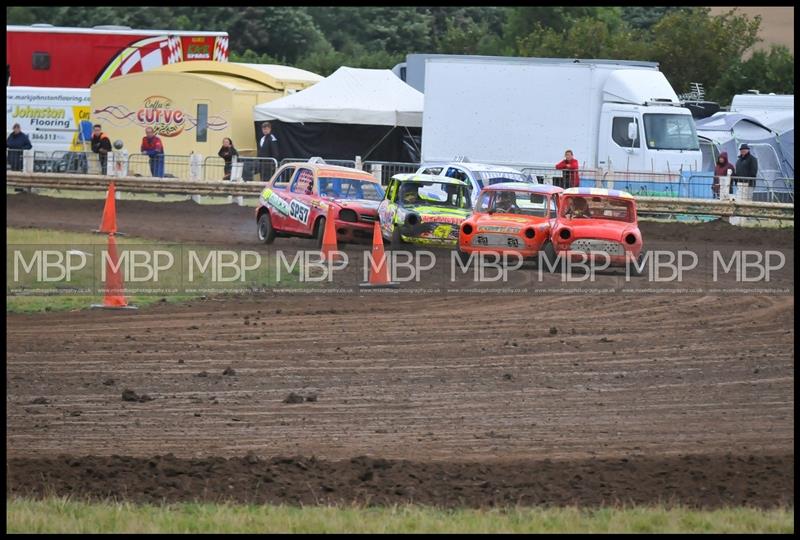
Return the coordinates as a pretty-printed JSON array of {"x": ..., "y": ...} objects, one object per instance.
[
  {"x": 423, "y": 209},
  {"x": 598, "y": 223},
  {"x": 476, "y": 175},
  {"x": 510, "y": 218},
  {"x": 296, "y": 199}
]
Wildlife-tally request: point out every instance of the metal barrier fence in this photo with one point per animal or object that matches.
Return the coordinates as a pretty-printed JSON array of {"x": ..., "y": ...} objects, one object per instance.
[
  {"x": 241, "y": 169},
  {"x": 163, "y": 166},
  {"x": 14, "y": 159},
  {"x": 693, "y": 185},
  {"x": 191, "y": 167}
]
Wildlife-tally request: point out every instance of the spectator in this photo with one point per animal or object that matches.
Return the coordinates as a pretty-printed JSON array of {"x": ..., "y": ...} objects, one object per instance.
[
  {"x": 267, "y": 148},
  {"x": 227, "y": 152},
  {"x": 723, "y": 168},
  {"x": 16, "y": 143},
  {"x": 153, "y": 147},
  {"x": 746, "y": 167},
  {"x": 570, "y": 166},
  {"x": 101, "y": 145}
]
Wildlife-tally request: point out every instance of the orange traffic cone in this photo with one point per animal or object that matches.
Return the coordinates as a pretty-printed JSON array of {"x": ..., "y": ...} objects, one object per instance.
[
  {"x": 329, "y": 245},
  {"x": 108, "y": 224},
  {"x": 114, "y": 293},
  {"x": 378, "y": 277}
]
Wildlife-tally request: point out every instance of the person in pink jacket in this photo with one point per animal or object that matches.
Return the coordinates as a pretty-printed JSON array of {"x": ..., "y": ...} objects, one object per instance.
[{"x": 570, "y": 167}]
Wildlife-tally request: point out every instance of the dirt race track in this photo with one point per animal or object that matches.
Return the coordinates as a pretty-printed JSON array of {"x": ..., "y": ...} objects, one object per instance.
[{"x": 448, "y": 400}]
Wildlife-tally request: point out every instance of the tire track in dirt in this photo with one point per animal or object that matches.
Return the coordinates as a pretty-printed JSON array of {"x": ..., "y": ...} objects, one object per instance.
[{"x": 418, "y": 389}]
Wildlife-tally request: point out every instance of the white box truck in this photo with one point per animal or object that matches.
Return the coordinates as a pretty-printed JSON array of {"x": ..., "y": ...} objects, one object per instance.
[
  {"x": 51, "y": 118},
  {"x": 525, "y": 112}
]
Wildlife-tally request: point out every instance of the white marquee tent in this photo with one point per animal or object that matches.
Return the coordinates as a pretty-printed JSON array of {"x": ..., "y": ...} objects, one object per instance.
[{"x": 366, "y": 112}]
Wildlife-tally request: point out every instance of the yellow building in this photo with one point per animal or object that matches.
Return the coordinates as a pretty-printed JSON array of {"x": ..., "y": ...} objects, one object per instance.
[{"x": 192, "y": 106}]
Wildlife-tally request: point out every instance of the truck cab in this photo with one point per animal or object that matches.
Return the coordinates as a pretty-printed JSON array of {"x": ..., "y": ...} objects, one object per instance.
[
  {"x": 642, "y": 138},
  {"x": 643, "y": 126}
]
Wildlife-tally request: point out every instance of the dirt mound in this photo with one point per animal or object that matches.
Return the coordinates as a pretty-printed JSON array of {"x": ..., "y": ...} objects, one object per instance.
[{"x": 695, "y": 481}]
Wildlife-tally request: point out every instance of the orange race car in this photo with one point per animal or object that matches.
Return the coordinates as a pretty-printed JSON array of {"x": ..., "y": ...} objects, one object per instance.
[
  {"x": 599, "y": 224},
  {"x": 510, "y": 218}
]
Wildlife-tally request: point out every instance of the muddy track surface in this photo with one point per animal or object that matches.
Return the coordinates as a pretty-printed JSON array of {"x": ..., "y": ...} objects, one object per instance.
[
  {"x": 468, "y": 394},
  {"x": 694, "y": 481}
]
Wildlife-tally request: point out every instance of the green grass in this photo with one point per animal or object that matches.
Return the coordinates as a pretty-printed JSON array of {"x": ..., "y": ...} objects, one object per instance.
[
  {"x": 124, "y": 196},
  {"x": 28, "y": 295},
  {"x": 59, "y": 515}
]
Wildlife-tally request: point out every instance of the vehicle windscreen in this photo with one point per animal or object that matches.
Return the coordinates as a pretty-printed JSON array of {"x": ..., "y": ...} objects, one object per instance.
[
  {"x": 490, "y": 178},
  {"x": 670, "y": 132},
  {"x": 433, "y": 194},
  {"x": 597, "y": 207},
  {"x": 515, "y": 202},
  {"x": 349, "y": 188}
]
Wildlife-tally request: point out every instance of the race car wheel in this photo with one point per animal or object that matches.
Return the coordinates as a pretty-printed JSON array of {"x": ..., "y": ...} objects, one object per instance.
[
  {"x": 397, "y": 241},
  {"x": 320, "y": 233},
  {"x": 463, "y": 257},
  {"x": 265, "y": 231},
  {"x": 550, "y": 258},
  {"x": 633, "y": 269}
]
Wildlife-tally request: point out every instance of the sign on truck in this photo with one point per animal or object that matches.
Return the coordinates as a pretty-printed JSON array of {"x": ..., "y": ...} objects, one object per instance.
[{"x": 51, "y": 117}]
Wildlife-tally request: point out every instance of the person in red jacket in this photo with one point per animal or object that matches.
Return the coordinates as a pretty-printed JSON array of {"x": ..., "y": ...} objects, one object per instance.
[
  {"x": 723, "y": 168},
  {"x": 570, "y": 166},
  {"x": 153, "y": 147}
]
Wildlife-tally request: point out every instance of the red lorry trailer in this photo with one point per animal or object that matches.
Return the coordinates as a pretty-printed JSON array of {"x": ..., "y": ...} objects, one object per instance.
[{"x": 51, "y": 56}]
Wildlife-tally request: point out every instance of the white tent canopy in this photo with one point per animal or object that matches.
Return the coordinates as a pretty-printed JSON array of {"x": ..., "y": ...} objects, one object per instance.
[{"x": 350, "y": 96}]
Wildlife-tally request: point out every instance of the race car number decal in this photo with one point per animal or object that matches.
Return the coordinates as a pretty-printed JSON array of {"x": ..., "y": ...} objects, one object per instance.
[
  {"x": 495, "y": 240},
  {"x": 275, "y": 201},
  {"x": 299, "y": 211}
]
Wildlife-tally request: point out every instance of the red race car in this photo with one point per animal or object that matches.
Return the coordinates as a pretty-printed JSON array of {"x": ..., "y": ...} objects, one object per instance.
[
  {"x": 598, "y": 223},
  {"x": 296, "y": 199},
  {"x": 509, "y": 218}
]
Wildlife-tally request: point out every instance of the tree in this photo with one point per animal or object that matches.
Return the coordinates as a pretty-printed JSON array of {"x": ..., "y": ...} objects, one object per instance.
[
  {"x": 692, "y": 46},
  {"x": 587, "y": 37},
  {"x": 766, "y": 72},
  {"x": 251, "y": 57},
  {"x": 462, "y": 38},
  {"x": 644, "y": 17},
  {"x": 524, "y": 23},
  {"x": 19, "y": 15}
]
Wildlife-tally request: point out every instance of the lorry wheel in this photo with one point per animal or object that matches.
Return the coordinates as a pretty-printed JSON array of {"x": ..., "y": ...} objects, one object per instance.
[
  {"x": 550, "y": 257},
  {"x": 265, "y": 231}
]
